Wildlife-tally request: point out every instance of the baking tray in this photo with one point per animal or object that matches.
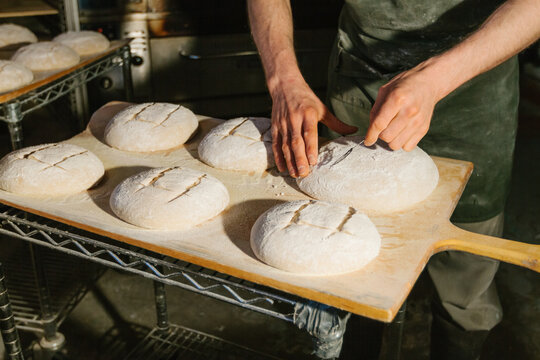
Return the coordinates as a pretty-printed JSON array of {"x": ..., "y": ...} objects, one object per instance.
[{"x": 377, "y": 291}]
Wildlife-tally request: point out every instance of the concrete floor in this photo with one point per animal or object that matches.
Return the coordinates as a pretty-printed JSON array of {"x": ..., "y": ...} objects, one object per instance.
[{"x": 121, "y": 303}]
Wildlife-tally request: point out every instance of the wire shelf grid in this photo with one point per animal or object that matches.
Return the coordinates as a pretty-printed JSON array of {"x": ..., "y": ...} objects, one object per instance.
[
  {"x": 68, "y": 281},
  {"x": 73, "y": 241},
  {"x": 183, "y": 343},
  {"x": 52, "y": 91}
]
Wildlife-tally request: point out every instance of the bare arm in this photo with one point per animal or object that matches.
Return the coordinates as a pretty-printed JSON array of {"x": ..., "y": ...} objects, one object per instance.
[
  {"x": 402, "y": 113},
  {"x": 296, "y": 109}
]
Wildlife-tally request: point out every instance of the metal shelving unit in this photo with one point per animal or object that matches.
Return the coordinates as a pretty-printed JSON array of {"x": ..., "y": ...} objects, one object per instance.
[
  {"x": 69, "y": 240},
  {"x": 13, "y": 110},
  {"x": 166, "y": 341},
  {"x": 183, "y": 343},
  {"x": 65, "y": 288},
  {"x": 173, "y": 339}
]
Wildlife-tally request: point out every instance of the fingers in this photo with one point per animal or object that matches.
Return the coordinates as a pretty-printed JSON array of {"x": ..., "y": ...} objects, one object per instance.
[
  {"x": 337, "y": 125},
  {"x": 402, "y": 138},
  {"x": 298, "y": 145},
  {"x": 311, "y": 137},
  {"x": 276, "y": 148},
  {"x": 295, "y": 141},
  {"x": 413, "y": 141},
  {"x": 384, "y": 111},
  {"x": 404, "y": 130},
  {"x": 287, "y": 151}
]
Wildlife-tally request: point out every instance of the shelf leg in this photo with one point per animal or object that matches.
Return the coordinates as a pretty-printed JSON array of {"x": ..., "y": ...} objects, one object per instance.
[
  {"x": 14, "y": 122},
  {"x": 10, "y": 336},
  {"x": 325, "y": 323},
  {"x": 126, "y": 67},
  {"x": 393, "y": 335},
  {"x": 52, "y": 341},
  {"x": 160, "y": 296}
]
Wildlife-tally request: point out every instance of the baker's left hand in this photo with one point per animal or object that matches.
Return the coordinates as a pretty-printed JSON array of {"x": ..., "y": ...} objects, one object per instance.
[{"x": 402, "y": 112}]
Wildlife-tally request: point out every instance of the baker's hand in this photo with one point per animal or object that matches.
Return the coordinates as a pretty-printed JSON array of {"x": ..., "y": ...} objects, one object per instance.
[
  {"x": 402, "y": 112},
  {"x": 296, "y": 110}
]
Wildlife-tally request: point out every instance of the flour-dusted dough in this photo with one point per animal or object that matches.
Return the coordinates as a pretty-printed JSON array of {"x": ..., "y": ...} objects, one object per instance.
[
  {"x": 50, "y": 170},
  {"x": 15, "y": 34},
  {"x": 173, "y": 198},
  {"x": 45, "y": 56},
  {"x": 315, "y": 238},
  {"x": 151, "y": 127},
  {"x": 13, "y": 75},
  {"x": 374, "y": 179},
  {"x": 239, "y": 144},
  {"x": 84, "y": 42}
]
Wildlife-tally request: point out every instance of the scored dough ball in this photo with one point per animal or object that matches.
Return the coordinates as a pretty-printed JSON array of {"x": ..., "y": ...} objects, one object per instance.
[
  {"x": 50, "y": 170},
  {"x": 84, "y": 42},
  {"x": 315, "y": 238},
  {"x": 171, "y": 198},
  {"x": 372, "y": 179},
  {"x": 13, "y": 75},
  {"x": 15, "y": 34},
  {"x": 45, "y": 56},
  {"x": 150, "y": 127},
  {"x": 239, "y": 144}
]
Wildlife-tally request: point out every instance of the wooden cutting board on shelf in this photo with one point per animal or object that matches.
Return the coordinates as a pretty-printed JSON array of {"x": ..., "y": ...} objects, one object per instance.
[{"x": 377, "y": 291}]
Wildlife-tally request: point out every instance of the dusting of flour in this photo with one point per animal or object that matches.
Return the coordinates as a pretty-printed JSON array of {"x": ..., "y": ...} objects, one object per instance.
[
  {"x": 315, "y": 238},
  {"x": 372, "y": 179}
]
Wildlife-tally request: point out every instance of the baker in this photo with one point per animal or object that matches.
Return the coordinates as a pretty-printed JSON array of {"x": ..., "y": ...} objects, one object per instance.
[{"x": 439, "y": 73}]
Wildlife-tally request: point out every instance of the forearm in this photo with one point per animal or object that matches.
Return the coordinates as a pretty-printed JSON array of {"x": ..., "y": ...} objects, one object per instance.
[
  {"x": 272, "y": 28},
  {"x": 511, "y": 28}
]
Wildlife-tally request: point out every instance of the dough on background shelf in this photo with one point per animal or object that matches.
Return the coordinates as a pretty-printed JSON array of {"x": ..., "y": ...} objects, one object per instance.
[
  {"x": 372, "y": 179},
  {"x": 15, "y": 34},
  {"x": 46, "y": 56},
  {"x": 313, "y": 237},
  {"x": 84, "y": 42},
  {"x": 13, "y": 75},
  {"x": 173, "y": 198},
  {"x": 149, "y": 127},
  {"x": 243, "y": 144},
  {"x": 50, "y": 170}
]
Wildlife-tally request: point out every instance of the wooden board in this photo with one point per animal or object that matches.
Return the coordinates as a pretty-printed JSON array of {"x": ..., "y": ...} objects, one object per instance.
[
  {"x": 409, "y": 238},
  {"x": 43, "y": 78},
  {"x": 17, "y": 8}
]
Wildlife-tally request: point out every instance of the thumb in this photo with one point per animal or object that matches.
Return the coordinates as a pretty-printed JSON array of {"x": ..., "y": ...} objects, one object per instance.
[{"x": 337, "y": 125}]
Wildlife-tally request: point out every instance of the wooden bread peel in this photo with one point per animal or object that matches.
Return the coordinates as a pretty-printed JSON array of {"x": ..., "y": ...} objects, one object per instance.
[{"x": 409, "y": 238}]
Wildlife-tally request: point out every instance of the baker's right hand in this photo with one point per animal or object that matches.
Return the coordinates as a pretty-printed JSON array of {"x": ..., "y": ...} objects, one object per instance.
[{"x": 296, "y": 110}]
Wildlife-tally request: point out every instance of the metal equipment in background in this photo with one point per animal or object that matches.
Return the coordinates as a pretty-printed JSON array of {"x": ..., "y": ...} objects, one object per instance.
[{"x": 201, "y": 54}]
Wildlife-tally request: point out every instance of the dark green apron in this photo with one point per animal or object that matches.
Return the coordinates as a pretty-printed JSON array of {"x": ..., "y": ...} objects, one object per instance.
[{"x": 477, "y": 122}]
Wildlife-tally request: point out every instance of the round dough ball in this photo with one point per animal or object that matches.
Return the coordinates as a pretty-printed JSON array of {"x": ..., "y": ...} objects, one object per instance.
[
  {"x": 50, "y": 170},
  {"x": 150, "y": 127},
  {"x": 13, "y": 75},
  {"x": 171, "y": 198},
  {"x": 239, "y": 144},
  {"x": 315, "y": 238},
  {"x": 45, "y": 56},
  {"x": 15, "y": 34},
  {"x": 84, "y": 42},
  {"x": 372, "y": 179}
]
